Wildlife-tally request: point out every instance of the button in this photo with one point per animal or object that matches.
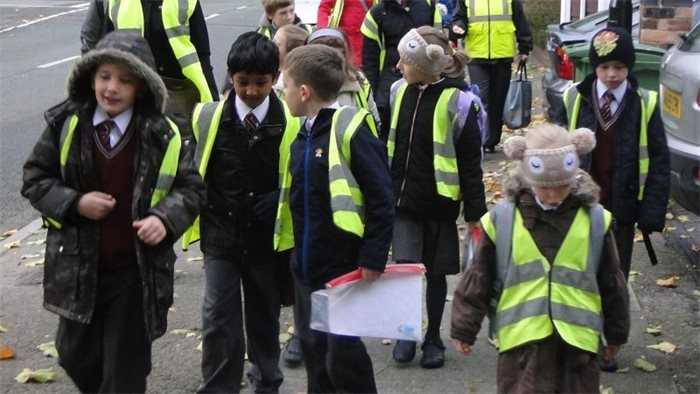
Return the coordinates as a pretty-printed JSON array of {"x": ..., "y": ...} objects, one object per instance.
[
  {"x": 251, "y": 194},
  {"x": 255, "y": 138},
  {"x": 230, "y": 213}
]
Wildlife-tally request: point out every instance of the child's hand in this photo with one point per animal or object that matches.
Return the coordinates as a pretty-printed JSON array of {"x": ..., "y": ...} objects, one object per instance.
[
  {"x": 610, "y": 351},
  {"x": 462, "y": 347},
  {"x": 457, "y": 30},
  {"x": 96, "y": 205},
  {"x": 150, "y": 230},
  {"x": 370, "y": 275}
]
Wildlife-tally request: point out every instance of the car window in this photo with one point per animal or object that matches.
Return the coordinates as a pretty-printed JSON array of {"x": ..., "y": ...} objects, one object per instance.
[{"x": 692, "y": 42}]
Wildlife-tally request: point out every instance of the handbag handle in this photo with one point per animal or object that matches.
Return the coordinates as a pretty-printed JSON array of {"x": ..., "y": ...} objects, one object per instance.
[{"x": 522, "y": 71}]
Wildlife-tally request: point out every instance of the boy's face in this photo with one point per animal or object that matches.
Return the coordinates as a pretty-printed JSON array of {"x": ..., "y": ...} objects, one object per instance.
[
  {"x": 295, "y": 95},
  {"x": 252, "y": 88},
  {"x": 551, "y": 197},
  {"x": 283, "y": 16},
  {"x": 612, "y": 73},
  {"x": 411, "y": 74},
  {"x": 115, "y": 88}
]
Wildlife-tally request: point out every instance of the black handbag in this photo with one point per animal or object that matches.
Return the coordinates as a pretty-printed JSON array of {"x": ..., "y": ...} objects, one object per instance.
[{"x": 517, "y": 109}]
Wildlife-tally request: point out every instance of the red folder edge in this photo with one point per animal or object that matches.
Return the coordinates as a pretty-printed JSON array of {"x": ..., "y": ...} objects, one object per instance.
[{"x": 391, "y": 269}]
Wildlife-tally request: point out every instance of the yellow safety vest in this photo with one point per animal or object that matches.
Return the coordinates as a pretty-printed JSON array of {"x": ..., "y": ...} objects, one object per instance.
[
  {"x": 347, "y": 202},
  {"x": 166, "y": 172},
  {"x": 444, "y": 155},
  {"x": 572, "y": 103},
  {"x": 534, "y": 296},
  {"x": 491, "y": 31},
  {"x": 205, "y": 125},
  {"x": 267, "y": 31},
  {"x": 370, "y": 29},
  {"x": 337, "y": 12},
  {"x": 128, "y": 15}
]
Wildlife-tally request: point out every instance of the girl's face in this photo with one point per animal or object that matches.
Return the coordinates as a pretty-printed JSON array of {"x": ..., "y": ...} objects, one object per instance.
[
  {"x": 281, "y": 42},
  {"x": 115, "y": 88},
  {"x": 611, "y": 73},
  {"x": 413, "y": 75}
]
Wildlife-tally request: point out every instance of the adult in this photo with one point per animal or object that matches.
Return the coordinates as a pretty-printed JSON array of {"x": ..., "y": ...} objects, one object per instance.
[
  {"x": 347, "y": 15},
  {"x": 490, "y": 30}
]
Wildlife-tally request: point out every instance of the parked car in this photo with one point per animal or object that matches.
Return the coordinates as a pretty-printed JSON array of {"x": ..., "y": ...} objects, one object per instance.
[
  {"x": 679, "y": 93},
  {"x": 561, "y": 73}
]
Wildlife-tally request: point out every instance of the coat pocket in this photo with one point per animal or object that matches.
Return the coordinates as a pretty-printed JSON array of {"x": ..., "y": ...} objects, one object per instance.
[{"x": 62, "y": 265}]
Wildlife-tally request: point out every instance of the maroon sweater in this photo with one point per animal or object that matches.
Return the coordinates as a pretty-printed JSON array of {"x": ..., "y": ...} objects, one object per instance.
[{"x": 115, "y": 175}]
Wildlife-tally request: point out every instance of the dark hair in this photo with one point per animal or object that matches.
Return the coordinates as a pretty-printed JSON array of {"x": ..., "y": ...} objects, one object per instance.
[
  {"x": 338, "y": 39},
  {"x": 319, "y": 66},
  {"x": 253, "y": 53},
  {"x": 271, "y": 6}
]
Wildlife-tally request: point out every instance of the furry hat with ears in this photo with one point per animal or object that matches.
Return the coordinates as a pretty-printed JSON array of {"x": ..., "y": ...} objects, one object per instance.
[
  {"x": 549, "y": 155},
  {"x": 428, "y": 58}
]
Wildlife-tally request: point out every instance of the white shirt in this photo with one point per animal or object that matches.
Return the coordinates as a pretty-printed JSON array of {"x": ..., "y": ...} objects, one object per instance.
[
  {"x": 310, "y": 121},
  {"x": 121, "y": 122},
  {"x": 260, "y": 111},
  {"x": 618, "y": 92}
]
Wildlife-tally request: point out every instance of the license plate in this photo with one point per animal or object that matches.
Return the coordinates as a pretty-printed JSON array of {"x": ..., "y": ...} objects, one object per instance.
[{"x": 672, "y": 103}]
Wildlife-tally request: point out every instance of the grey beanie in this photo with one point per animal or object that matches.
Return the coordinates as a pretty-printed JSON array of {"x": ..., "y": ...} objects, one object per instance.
[
  {"x": 123, "y": 47},
  {"x": 428, "y": 58}
]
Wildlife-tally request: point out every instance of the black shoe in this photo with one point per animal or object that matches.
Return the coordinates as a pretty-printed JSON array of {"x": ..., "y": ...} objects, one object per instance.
[
  {"x": 607, "y": 365},
  {"x": 433, "y": 355},
  {"x": 404, "y": 351},
  {"x": 292, "y": 354}
]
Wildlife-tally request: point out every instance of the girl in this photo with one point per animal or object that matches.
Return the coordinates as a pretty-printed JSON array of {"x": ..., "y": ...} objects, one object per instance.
[
  {"x": 287, "y": 38},
  {"x": 435, "y": 155}
]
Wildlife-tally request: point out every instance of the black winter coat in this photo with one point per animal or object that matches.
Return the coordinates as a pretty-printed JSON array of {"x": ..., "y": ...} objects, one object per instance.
[
  {"x": 650, "y": 212},
  {"x": 72, "y": 252}
]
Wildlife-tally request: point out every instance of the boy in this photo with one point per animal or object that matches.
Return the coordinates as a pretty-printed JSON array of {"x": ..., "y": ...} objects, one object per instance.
[
  {"x": 99, "y": 176},
  {"x": 335, "y": 231},
  {"x": 547, "y": 271},
  {"x": 277, "y": 14},
  {"x": 631, "y": 161},
  {"x": 237, "y": 152}
]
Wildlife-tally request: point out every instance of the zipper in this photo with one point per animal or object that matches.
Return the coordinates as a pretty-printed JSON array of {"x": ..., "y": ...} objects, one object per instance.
[
  {"x": 410, "y": 145},
  {"x": 305, "y": 243}
]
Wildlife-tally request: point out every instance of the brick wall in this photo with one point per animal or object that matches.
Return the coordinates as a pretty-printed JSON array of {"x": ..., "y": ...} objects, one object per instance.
[{"x": 662, "y": 21}]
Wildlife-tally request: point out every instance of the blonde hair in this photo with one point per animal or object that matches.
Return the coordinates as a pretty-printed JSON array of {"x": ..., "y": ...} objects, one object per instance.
[
  {"x": 295, "y": 36},
  {"x": 460, "y": 59}
]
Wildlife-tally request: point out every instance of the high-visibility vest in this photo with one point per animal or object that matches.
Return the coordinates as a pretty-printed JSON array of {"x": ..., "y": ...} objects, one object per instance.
[
  {"x": 267, "y": 30},
  {"x": 206, "y": 118},
  {"x": 128, "y": 15},
  {"x": 370, "y": 29},
  {"x": 572, "y": 102},
  {"x": 535, "y": 296},
  {"x": 337, "y": 12},
  {"x": 347, "y": 201},
  {"x": 166, "y": 172},
  {"x": 444, "y": 155},
  {"x": 491, "y": 31}
]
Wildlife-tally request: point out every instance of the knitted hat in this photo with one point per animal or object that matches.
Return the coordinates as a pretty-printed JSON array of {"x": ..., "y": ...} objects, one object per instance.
[
  {"x": 123, "y": 47},
  {"x": 549, "y": 155},
  {"x": 612, "y": 43},
  {"x": 428, "y": 58}
]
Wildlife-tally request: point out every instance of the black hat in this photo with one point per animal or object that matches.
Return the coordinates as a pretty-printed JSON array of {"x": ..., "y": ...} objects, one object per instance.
[{"x": 612, "y": 43}]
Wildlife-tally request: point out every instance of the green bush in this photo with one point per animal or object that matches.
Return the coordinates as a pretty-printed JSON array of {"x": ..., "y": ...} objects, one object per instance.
[{"x": 539, "y": 14}]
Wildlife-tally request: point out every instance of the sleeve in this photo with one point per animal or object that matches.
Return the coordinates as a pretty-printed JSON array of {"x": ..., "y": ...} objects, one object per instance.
[
  {"x": 370, "y": 167},
  {"x": 200, "y": 39},
  {"x": 324, "y": 13},
  {"x": 613, "y": 294},
  {"x": 469, "y": 159},
  {"x": 460, "y": 18},
  {"x": 473, "y": 293},
  {"x": 522, "y": 29},
  {"x": 93, "y": 25},
  {"x": 372, "y": 107},
  {"x": 652, "y": 212},
  {"x": 371, "y": 52}
]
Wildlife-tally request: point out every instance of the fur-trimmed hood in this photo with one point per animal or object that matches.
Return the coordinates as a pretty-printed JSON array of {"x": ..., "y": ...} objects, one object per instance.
[
  {"x": 583, "y": 188},
  {"x": 122, "y": 47}
]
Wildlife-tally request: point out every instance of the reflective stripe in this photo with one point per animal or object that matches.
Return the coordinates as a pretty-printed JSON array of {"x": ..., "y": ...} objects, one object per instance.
[
  {"x": 370, "y": 29},
  {"x": 334, "y": 19},
  {"x": 284, "y": 233},
  {"x": 66, "y": 139},
  {"x": 531, "y": 308},
  {"x": 395, "y": 109},
  {"x": 493, "y": 18},
  {"x": 168, "y": 168},
  {"x": 525, "y": 273}
]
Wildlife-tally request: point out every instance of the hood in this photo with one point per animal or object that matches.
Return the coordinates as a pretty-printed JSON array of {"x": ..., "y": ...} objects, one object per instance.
[
  {"x": 584, "y": 188},
  {"x": 125, "y": 48}
]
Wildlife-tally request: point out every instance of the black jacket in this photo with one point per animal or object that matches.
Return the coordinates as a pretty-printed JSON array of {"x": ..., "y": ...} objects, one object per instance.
[
  {"x": 393, "y": 22},
  {"x": 243, "y": 186},
  {"x": 412, "y": 167},
  {"x": 323, "y": 251},
  {"x": 650, "y": 213}
]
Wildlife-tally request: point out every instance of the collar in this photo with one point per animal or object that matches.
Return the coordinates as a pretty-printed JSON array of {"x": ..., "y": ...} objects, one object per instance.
[
  {"x": 542, "y": 205},
  {"x": 122, "y": 120},
  {"x": 618, "y": 92},
  {"x": 260, "y": 111},
  {"x": 310, "y": 121}
]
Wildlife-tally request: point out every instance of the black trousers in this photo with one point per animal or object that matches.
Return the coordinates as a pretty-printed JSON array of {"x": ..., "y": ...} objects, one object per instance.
[
  {"x": 624, "y": 240},
  {"x": 224, "y": 343},
  {"x": 111, "y": 354},
  {"x": 334, "y": 363},
  {"x": 493, "y": 80}
]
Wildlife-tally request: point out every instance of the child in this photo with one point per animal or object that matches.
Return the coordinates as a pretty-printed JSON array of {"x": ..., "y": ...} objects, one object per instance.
[
  {"x": 547, "y": 271},
  {"x": 278, "y": 13},
  {"x": 356, "y": 90},
  {"x": 239, "y": 161},
  {"x": 335, "y": 231},
  {"x": 433, "y": 169},
  {"x": 92, "y": 176},
  {"x": 347, "y": 15},
  {"x": 287, "y": 38},
  {"x": 631, "y": 161}
]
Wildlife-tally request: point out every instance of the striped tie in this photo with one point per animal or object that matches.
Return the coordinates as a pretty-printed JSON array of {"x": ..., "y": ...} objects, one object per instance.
[
  {"x": 103, "y": 130},
  {"x": 251, "y": 122},
  {"x": 605, "y": 112}
]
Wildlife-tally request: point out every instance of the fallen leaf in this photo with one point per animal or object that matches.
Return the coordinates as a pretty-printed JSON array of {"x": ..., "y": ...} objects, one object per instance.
[
  {"x": 671, "y": 282},
  {"x": 196, "y": 258},
  {"x": 6, "y": 353},
  {"x": 669, "y": 216},
  {"x": 696, "y": 292},
  {"x": 696, "y": 248},
  {"x": 635, "y": 273},
  {"x": 13, "y": 245},
  {"x": 644, "y": 365},
  {"x": 290, "y": 330},
  {"x": 4, "y": 330},
  {"x": 34, "y": 263},
  {"x": 199, "y": 347},
  {"x": 49, "y": 349},
  {"x": 606, "y": 390},
  {"x": 623, "y": 370},
  {"x": 29, "y": 256},
  {"x": 284, "y": 337},
  {"x": 493, "y": 342},
  {"x": 690, "y": 230},
  {"x": 9, "y": 233},
  {"x": 666, "y": 347},
  {"x": 40, "y": 375},
  {"x": 449, "y": 298},
  {"x": 655, "y": 331},
  {"x": 182, "y": 331},
  {"x": 386, "y": 342},
  {"x": 669, "y": 229},
  {"x": 638, "y": 237},
  {"x": 37, "y": 242},
  {"x": 684, "y": 236},
  {"x": 682, "y": 218}
]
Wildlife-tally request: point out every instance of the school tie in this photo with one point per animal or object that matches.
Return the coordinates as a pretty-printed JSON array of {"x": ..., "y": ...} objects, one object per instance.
[
  {"x": 103, "y": 130},
  {"x": 251, "y": 122},
  {"x": 605, "y": 112}
]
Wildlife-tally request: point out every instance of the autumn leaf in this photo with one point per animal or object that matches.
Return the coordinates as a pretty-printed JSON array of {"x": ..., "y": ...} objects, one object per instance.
[
  {"x": 671, "y": 282},
  {"x": 7, "y": 353},
  {"x": 682, "y": 218},
  {"x": 183, "y": 331},
  {"x": 449, "y": 298},
  {"x": 655, "y": 331},
  {"x": 290, "y": 330},
  {"x": 666, "y": 347},
  {"x": 696, "y": 292},
  {"x": 669, "y": 216},
  {"x": 606, "y": 390},
  {"x": 49, "y": 349},
  {"x": 34, "y": 263},
  {"x": 644, "y": 365},
  {"x": 37, "y": 242},
  {"x": 13, "y": 245},
  {"x": 9, "y": 233},
  {"x": 3, "y": 329},
  {"x": 669, "y": 229},
  {"x": 623, "y": 370},
  {"x": 635, "y": 273},
  {"x": 386, "y": 342},
  {"x": 638, "y": 237},
  {"x": 29, "y": 256},
  {"x": 200, "y": 346},
  {"x": 196, "y": 258},
  {"x": 284, "y": 337},
  {"x": 690, "y": 230},
  {"x": 40, "y": 375},
  {"x": 695, "y": 248}
]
